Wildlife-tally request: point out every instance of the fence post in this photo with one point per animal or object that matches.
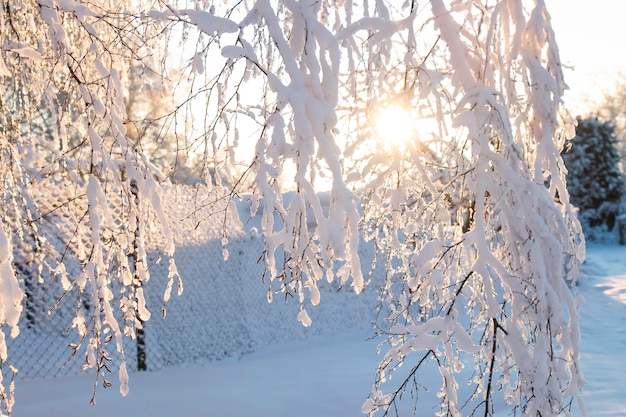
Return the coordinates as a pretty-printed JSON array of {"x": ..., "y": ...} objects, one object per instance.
[{"x": 139, "y": 330}]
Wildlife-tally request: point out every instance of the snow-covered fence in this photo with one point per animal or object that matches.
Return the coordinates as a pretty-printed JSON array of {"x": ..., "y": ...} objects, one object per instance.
[{"x": 223, "y": 311}]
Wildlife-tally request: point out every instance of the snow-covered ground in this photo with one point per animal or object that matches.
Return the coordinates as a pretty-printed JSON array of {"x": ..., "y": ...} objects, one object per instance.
[
  {"x": 330, "y": 376},
  {"x": 603, "y": 326}
]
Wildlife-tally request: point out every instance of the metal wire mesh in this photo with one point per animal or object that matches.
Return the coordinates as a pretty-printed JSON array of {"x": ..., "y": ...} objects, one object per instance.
[{"x": 223, "y": 312}]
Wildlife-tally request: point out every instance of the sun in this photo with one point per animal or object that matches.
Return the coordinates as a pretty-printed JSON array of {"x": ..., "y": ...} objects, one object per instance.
[
  {"x": 400, "y": 129},
  {"x": 395, "y": 127}
]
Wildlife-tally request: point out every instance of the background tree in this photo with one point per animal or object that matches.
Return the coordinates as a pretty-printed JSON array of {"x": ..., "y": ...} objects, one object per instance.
[
  {"x": 595, "y": 182},
  {"x": 149, "y": 107},
  {"x": 479, "y": 252},
  {"x": 611, "y": 109}
]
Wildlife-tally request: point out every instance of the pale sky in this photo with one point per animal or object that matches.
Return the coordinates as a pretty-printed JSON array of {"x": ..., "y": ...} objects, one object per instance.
[{"x": 592, "y": 39}]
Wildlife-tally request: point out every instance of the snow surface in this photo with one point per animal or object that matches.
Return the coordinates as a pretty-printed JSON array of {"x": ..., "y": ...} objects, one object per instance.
[{"x": 330, "y": 376}]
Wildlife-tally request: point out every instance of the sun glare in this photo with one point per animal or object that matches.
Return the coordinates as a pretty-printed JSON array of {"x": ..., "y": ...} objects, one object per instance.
[{"x": 397, "y": 128}]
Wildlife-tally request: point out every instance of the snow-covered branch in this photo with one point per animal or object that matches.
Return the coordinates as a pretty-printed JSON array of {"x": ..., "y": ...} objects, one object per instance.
[{"x": 469, "y": 212}]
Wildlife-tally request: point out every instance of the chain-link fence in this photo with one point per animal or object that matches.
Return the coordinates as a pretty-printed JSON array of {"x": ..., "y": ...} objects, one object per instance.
[{"x": 223, "y": 311}]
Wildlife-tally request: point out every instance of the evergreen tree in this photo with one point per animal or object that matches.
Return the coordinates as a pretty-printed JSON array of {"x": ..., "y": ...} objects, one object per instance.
[{"x": 595, "y": 183}]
